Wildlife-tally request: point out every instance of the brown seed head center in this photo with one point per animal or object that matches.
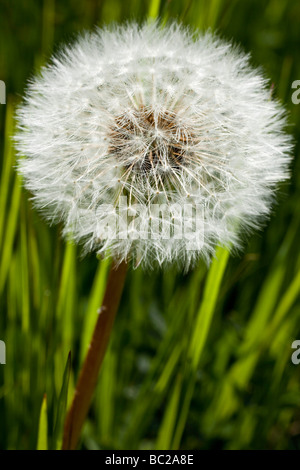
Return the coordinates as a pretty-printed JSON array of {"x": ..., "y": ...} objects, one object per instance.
[{"x": 146, "y": 142}]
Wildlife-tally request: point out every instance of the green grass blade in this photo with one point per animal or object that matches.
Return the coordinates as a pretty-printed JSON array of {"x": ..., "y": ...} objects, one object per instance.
[
  {"x": 42, "y": 443},
  {"x": 94, "y": 303},
  {"x": 168, "y": 424},
  {"x": 62, "y": 406},
  {"x": 154, "y": 9},
  {"x": 207, "y": 307}
]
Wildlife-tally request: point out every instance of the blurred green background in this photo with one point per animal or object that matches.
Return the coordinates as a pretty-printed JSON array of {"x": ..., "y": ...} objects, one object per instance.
[{"x": 196, "y": 361}]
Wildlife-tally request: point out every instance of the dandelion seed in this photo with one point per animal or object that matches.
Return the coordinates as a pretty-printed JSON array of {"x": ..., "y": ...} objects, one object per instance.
[{"x": 162, "y": 117}]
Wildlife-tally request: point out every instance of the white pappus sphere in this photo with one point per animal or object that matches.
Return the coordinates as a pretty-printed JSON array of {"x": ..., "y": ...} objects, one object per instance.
[{"x": 152, "y": 143}]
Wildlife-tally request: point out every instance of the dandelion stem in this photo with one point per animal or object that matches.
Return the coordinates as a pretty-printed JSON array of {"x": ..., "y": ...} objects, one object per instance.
[{"x": 89, "y": 373}]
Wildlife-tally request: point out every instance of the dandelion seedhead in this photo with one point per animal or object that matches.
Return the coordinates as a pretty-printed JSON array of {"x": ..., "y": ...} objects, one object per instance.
[{"x": 153, "y": 143}]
